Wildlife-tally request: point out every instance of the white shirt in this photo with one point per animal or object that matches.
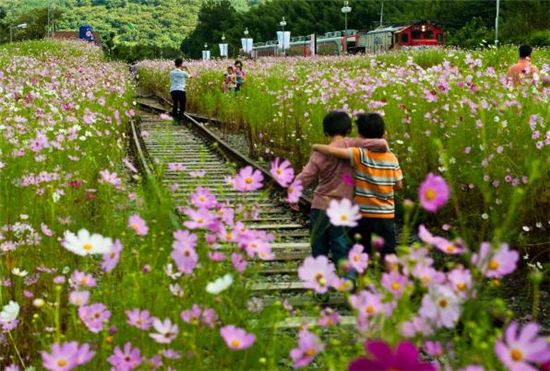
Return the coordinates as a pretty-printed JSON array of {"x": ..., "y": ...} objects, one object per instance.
[{"x": 178, "y": 79}]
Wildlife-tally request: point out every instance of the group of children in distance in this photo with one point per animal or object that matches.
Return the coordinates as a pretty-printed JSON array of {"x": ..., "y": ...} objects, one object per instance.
[
  {"x": 371, "y": 184},
  {"x": 233, "y": 79}
]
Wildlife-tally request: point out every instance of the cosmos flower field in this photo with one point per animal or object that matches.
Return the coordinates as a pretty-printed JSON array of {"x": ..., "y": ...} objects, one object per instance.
[{"x": 96, "y": 275}]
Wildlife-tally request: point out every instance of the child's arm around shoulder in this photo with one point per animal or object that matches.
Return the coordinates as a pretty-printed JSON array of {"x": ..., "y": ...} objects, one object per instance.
[
  {"x": 374, "y": 145},
  {"x": 343, "y": 153}
]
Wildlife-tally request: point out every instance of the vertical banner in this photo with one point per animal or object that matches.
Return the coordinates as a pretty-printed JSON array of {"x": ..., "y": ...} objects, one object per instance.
[
  {"x": 243, "y": 44},
  {"x": 223, "y": 50},
  {"x": 249, "y": 43},
  {"x": 312, "y": 44},
  {"x": 206, "y": 55},
  {"x": 286, "y": 40},
  {"x": 280, "y": 39}
]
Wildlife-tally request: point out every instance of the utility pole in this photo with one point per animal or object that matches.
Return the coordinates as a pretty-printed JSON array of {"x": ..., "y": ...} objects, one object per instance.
[
  {"x": 382, "y": 13},
  {"x": 496, "y": 23}
]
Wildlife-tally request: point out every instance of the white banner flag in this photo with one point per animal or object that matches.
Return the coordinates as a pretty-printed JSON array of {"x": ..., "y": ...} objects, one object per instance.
[
  {"x": 280, "y": 38},
  {"x": 312, "y": 45},
  {"x": 249, "y": 44},
  {"x": 223, "y": 50},
  {"x": 286, "y": 40},
  {"x": 206, "y": 55}
]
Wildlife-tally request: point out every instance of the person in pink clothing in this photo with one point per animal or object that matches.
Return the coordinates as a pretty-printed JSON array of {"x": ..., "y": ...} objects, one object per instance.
[{"x": 335, "y": 182}]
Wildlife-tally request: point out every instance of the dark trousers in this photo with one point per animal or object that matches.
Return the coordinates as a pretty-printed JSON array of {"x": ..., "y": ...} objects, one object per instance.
[
  {"x": 384, "y": 228},
  {"x": 178, "y": 104},
  {"x": 325, "y": 237}
]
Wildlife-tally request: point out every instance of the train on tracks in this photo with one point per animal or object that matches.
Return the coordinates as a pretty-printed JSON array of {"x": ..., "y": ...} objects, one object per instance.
[{"x": 412, "y": 35}]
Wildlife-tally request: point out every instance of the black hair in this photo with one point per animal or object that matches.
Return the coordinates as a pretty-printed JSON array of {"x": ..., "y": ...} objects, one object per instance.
[
  {"x": 370, "y": 125},
  {"x": 337, "y": 123},
  {"x": 525, "y": 51},
  {"x": 237, "y": 62},
  {"x": 178, "y": 62}
]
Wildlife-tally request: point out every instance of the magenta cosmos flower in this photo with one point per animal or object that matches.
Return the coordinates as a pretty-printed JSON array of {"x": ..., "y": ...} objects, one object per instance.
[
  {"x": 110, "y": 259},
  {"x": 185, "y": 257},
  {"x": 382, "y": 357},
  {"x": 248, "y": 180},
  {"x": 139, "y": 318},
  {"x": 203, "y": 198},
  {"x": 309, "y": 346},
  {"x": 368, "y": 304},
  {"x": 236, "y": 338},
  {"x": 517, "y": 351},
  {"x": 66, "y": 356},
  {"x": 317, "y": 273},
  {"x": 394, "y": 283},
  {"x": 138, "y": 225},
  {"x": 433, "y": 193},
  {"x": 282, "y": 171},
  {"x": 125, "y": 359}
]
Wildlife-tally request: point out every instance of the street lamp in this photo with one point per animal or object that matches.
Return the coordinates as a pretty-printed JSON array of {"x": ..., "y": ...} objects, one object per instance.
[
  {"x": 346, "y": 9},
  {"x": 496, "y": 23},
  {"x": 283, "y": 24},
  {"x": 22, "y": 25},
  {"x": 246, "y": 32},
  {"x": 205, "y": 46},
  {"x": 223, "y": 37}
]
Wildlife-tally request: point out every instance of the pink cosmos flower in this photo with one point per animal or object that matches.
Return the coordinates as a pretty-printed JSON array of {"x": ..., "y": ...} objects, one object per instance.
[
  {"x": 343, "y": 213},
  {"x": 66, "y": 356},
  {"x": 309, "y": 345},
  {"x": 461, "y": 281},
  {"x": 433, "y": 193},
  {"x": 519, "y": 350},
  {"x": 282, "y": 171},
  {"x": 80, "y": 279},
  {"x": 79, "y": 298},
  {"x": 248, "y": 180},
  {"x": 294, "y": 191},
  {"x": 197, "y": 173},
  {"x": 125, "y": 359},
  {"x": 328, "y": 318},
  {"x": 448, "y": 247},
  {"x": 498, "y": 263},
  {"x": 176, "y": 166},
  {"x": 368, "y": 304},
  {"x": 110, "y": 259},
  {"x": 197, "y": 315},
  {"x": 138, "y": 225},
  {"x": 110, "y": 178},
  {"x": 216, "y": 256},
  {"x": 139, "y": 318},
  {"x": 418, "y": 326},
  {"x": 394, "y": 283},
  {"x": 94, "y": 316},
  {"x": 236, "y": 338},
  {"x": 428, "y": 275},
  {"x": 357, "y": 258},
  {"x": 441, "y": 306},
  {"x": 201, "y": 218},
  {"x": 203, "y": 198},
  {"x": 167, "y": 331},
  {"x": 317, "y": 273},
  {"x": 239, "y": 263},
  {"x": 47, "y": 231},
  {"x": 185, "y": 257},
  {"x": 381, "y": 357}
]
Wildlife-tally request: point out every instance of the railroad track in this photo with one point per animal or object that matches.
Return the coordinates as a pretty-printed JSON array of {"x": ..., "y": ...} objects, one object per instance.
[{"x": 199, "y": 149}]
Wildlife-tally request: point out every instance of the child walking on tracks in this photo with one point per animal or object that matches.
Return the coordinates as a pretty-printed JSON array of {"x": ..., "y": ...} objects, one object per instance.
[
  {"x": 334, "y": 183},
  {"x": 178, "y": 82},
  {"x": 376, "y": 176}
]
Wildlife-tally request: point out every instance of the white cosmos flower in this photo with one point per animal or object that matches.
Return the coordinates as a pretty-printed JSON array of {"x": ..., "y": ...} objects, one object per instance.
[
  {"x": 18, "y": 272},
  {"x": 220, "y": 284},
  {"x": 343, "y": 213},
  {"x": 167, "y": 331},
  {"x": 85, "y": 244},
  {"x": 9, "y": 312}
]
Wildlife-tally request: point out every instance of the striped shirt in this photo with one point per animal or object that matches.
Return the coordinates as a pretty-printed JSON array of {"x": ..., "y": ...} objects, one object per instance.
[{"x": 375, "y": 175}]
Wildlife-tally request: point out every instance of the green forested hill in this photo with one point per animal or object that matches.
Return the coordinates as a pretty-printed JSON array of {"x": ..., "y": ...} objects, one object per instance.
[{"x": 160, "y": 25}]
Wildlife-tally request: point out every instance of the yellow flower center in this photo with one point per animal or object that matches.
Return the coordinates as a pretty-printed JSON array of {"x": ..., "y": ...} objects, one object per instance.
[
  {"x": 461, "y": 286},
  {"x": 135, "y": 227},
  {"x": 320, "y": 279},
  {"x": 279, "y": 171},
  {"x": 344, "y": 218},
  {"x": 87, "y": 246},
  {"x": 202, "y": 198},
  {"x": 370, "y": 309},
  {"x": 200, "y": 220},
  {"x": 425, "y": 278},
  {"x": 62, "y": 362},
  {"x": 395, "y": 286},
  {"x": 516, "y": 355},
  {"x": 493, "y": 265},
  {"x": 356, "y": 258},
  {"x": 235, "y": 343},
  {"x": 451, "y": 248},
  {"x": 310, "y": 352},
  {"x": 430, "y": 194},
  {"x": 443, "y": 303},
  {"x": 248, "y": 180}
]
